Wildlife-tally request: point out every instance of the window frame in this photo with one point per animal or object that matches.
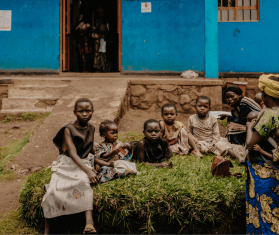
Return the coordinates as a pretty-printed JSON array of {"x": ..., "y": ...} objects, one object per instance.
[{"x": 236, "y": 9}]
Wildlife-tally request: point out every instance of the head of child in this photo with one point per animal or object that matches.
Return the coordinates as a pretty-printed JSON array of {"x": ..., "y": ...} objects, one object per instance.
[
  {"x": 203, "y": 105},
  {"x": 258, "y": 98},
  {"x": 169, "y": 113},
  {"x": 83, "y": 111},
  {"x": 109, "y": 130},
  {"x": 152, "y": 130},
  {"x": 252, "y": 115}
]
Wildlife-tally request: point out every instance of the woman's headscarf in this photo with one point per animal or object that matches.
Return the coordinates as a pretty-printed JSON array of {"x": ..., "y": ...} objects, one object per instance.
[
  {"x": 269, "y": 84},
  {"x": 234, "y": 89}
]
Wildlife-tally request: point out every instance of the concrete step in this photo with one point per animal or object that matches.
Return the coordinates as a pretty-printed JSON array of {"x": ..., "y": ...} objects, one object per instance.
[
  {"x": 40, "y": 83},
  {"x": 35, "y": 92},
  {"x": 22, "y": 105}
]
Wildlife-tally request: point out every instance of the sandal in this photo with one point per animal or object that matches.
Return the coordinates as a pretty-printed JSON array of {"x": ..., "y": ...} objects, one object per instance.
[{"x": 89, "y": 228}]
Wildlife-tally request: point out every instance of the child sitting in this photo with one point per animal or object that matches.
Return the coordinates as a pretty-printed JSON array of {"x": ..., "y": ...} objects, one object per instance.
[
  {"x": 175, "y": 133},
  {"x": 69, "y": 190},
  {"x": 205, "y": 129},
  {"x": 110, "y": 151},
  {"x": 152, "y": 149}
]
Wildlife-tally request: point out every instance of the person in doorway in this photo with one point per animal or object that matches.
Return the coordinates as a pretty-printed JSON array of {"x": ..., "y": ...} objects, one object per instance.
[
  {"x": 84, "y": 44},
  {"x": 242, "y": 106},
  {"x": 100, "y": 30}
]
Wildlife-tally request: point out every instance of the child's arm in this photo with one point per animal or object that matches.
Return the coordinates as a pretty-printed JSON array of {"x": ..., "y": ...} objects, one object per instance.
[
  {"x": 73, "y": 154},
  {"x": 103, "y": 163},
  {"x": 141, "y": 158},
  {"x": 257, "y": 148},
  {"x": 215, "y": 132},
  {"x": 113, "y": 152}
]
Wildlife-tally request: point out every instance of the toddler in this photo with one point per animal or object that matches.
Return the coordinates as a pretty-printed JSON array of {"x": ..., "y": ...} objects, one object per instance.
[
  {"x": 109, "y": 152},
  {"x": 258, "y": 98},
  {"x": 152, "y": 149},
  {"x": 69, "y": 190},
  {"x": 205, "y": 129},
  {"x": 175, "y": 133}
]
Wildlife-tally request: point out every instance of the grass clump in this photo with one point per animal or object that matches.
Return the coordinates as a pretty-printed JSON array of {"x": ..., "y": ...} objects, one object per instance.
[
  {"x": 12, "y": 223},
  {"x": 131, "y": 136},
  {"x": 223, "y": 122},
  {"x": 24, "y": 117},
  {"x": 185, "y": 199},
  {"x": 8, "y": 153}
]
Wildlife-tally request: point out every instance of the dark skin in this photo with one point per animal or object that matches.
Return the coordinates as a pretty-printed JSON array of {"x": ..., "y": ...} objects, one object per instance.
[
  {"x": 232, "y": 99},
  {"x": 111, "y": 135},
  {"x": 203, "y": 107},
  {"x": 169, "y": 115},
  {"x": 152, "y": 133},
  {"x": 254, "y": 138},
  {"x": 83, "y": 112}
]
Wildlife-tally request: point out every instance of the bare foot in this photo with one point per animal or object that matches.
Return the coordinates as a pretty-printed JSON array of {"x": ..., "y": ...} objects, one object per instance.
[
  {"x": 197, "y": 153},
  {"x": 89, "y": 229}
]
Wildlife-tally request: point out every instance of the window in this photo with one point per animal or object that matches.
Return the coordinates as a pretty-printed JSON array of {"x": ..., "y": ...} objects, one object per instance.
[{"x": 238, "y": 10}]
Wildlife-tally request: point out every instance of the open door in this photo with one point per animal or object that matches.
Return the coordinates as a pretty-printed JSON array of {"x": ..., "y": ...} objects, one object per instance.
[{"x": 65, "y": 30}]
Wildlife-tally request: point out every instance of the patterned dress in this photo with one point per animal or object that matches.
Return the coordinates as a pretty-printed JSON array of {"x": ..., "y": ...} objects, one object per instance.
[{"x": 262, "y": 184}]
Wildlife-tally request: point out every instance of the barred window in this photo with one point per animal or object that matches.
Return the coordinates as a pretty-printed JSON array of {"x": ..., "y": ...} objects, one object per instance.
[{"x": 238, "y": 10}]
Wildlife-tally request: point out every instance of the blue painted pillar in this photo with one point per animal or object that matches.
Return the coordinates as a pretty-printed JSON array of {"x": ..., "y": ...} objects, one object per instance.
[{"x": 211, "y": 39}]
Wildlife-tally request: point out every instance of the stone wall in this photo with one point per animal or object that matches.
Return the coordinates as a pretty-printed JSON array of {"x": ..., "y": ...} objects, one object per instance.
[
  {"x": 153, "y": 94},
  {"x": 125, "y": 104},
  {"x": 3, "y": 93}
]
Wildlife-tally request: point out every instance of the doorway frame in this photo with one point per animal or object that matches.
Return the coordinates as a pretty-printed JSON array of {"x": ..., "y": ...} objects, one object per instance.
[{"x": 119, "y": 30}]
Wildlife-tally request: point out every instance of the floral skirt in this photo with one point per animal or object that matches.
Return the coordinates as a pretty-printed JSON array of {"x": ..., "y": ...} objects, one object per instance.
[{"x": 262, "y": 198}]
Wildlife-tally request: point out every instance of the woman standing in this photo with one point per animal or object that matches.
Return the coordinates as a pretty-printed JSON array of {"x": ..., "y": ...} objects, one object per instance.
[
  {"x": 262, "y": 185},
  {"x": 242, "y": 106}
]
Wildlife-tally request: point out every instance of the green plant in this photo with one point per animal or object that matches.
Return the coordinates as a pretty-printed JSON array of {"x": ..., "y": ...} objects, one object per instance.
[
  {"x": 186, "y": 198},
  {"x": 13, "y": 224},
  {"x": 24, "y": 117},
  {"x": 223, "y": 122},
  {"x": 130, "y": 136}
]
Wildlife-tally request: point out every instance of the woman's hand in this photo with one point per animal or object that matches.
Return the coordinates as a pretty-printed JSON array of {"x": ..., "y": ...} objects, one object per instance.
[
  {"x": 223, "y": 116},
  {"x": 93, "y": 177},
  {"x": 250, "y": 125}
]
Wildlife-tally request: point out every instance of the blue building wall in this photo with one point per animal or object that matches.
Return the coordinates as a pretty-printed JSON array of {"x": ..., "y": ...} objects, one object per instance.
[
  {"x": 33, "y": 42},
  {"x": 251, "y": 46},
  {"x": 170, "y": 38}
]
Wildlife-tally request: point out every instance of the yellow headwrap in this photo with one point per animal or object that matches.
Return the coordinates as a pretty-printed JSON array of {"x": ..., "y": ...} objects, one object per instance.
[{"x": 269, "y": 86}]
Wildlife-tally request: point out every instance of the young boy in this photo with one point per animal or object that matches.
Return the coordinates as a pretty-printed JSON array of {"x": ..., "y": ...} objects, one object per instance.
[
  {"x": 175, "y": 133},
  {"x": 152, "y": 149},
  {"x": 205, "y": 129},
  {"x": 69, "y": 190}
]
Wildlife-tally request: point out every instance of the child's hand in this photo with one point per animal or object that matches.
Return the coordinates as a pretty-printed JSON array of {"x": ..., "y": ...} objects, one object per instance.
[
  {"x": 93, "y": 177},
  {"x": 115, "y": 151},
  {"x": 251, "y": 124},
  {"x": 126, "y": 146},
  {"x": 111, "y": 164},
  {"x": 257, "y": 148},
  {"x": 163, "y": 165}
]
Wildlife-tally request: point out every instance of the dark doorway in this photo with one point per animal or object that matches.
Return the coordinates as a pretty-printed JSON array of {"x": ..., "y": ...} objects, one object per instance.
[{"x": 94, "y": 44}]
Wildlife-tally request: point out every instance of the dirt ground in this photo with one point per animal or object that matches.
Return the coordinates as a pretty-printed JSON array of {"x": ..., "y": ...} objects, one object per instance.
[
  {"x": 134, "y": 119},
  {"x": 9, "y": 193}
]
